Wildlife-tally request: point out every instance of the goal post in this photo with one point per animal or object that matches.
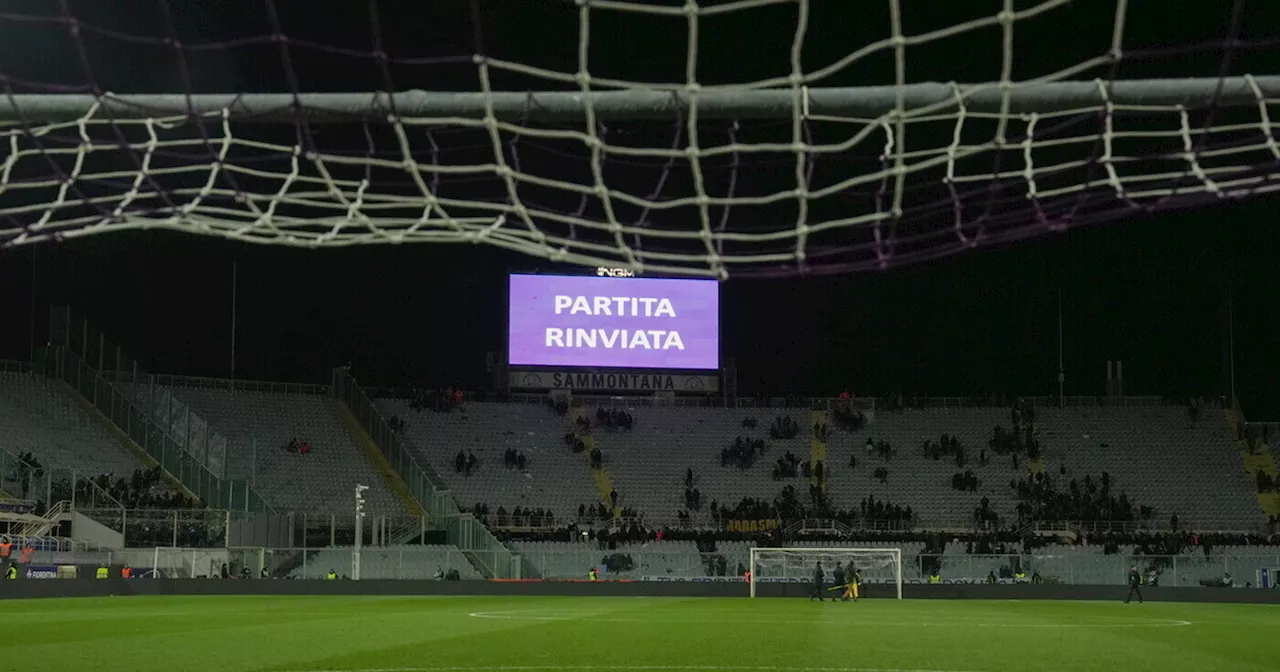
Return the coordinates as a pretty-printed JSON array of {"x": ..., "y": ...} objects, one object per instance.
[
  {"x": 692, "y": 164},
  {"x": 795, "y": 565}
]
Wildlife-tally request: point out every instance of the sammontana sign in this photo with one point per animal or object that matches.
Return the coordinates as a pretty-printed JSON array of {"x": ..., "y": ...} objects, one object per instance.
[{"x": 526, "y": 379}]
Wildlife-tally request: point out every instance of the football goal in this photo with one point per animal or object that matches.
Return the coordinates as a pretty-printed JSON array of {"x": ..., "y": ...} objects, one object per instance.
[{"x": 795, "y": 565}]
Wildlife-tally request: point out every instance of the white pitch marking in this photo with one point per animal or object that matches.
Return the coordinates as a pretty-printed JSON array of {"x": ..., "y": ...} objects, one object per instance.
[
  {"x": 629, "y": 668},
  {"x": 553, "y": 617}
]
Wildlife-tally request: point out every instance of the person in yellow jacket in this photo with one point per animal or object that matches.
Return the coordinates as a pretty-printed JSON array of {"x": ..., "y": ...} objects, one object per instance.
[
  {"x": 593, "y": 575},
  {"x": 855, "y": 581},
  {"x": 332, "y": 576},
  {"x": 935, "y": 578},
  {"x": 102, "y": 573},
  {"x": 11, "y": 573}
]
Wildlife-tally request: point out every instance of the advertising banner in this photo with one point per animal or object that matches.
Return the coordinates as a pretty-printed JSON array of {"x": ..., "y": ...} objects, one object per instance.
[
  {"x": 613, "y": 322},
  {"x": 587, "y": 381},
  {"x": 41, "y": 572}
]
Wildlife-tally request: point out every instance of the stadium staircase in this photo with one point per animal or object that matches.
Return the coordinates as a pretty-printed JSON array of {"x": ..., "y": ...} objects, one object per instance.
[
  {"x": 1254, "y": 461},
  {"x": 45, "y": 524},
  {"x": 490, "y": 557},
  {"x": 136, "y": 429},
  {"x": 603, "y": 483},
  {"x": 375, "y": 456},
  {"x": 1036, "y": 466},
  {"x": 818, "y": 446}
]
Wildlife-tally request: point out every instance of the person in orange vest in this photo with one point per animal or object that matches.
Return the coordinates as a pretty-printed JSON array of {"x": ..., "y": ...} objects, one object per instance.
[
  {"x": 6, "y": 548},
  {"x": 27, "y": 552},
  {"x": 747, "y": 576},
  {"x": 127, "y": 572}
]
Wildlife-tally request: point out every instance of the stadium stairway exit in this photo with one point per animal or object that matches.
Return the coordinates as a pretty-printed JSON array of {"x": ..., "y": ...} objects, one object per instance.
[
  {"x": 1258, "y": 460},
  {"x": 1036, "y": 466},
  {"x": 603, "y": 483},
  {"x": 818, "y": 446},
  {"x": 358, "y": 434}
]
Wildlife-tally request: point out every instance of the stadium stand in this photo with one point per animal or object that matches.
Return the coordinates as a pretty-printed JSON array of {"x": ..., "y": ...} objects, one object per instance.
[
  {"x": 553, "y": 478},
  {"x": 38, "y": 416},
  {"x": 649, "y": 461},
  {"x": 1160, "y": 455},
  {"x": 402, "y": 562},
  {"x": 914, "y": 479},
  {"x": 318, "y": 481}
]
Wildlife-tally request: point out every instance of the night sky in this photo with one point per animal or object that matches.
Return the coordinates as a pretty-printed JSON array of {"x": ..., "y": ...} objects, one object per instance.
[{"x": 1147, "y": 290}]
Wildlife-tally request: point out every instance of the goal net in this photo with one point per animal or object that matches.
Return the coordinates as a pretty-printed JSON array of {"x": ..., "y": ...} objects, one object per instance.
[
  {"x": 796, "y": 566},
  {"x": 710, "y": 138}
]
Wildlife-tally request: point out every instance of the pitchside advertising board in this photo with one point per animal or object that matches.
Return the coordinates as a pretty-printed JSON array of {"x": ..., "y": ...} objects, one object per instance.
[{"x": 607, "y": 322}]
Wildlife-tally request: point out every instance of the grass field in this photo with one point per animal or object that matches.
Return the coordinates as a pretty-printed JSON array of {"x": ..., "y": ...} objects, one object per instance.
[{"x": 409, "y": 634}]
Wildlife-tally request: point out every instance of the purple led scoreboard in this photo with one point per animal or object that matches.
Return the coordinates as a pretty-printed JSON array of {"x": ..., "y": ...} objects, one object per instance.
[{"x": 621, "y": 323}]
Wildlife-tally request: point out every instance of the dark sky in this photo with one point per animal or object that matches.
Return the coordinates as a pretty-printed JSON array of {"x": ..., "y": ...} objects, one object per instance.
[{"x": 1144, "y": 289}]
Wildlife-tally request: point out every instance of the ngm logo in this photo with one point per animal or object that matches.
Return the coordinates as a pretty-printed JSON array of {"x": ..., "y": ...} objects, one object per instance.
[{"x": 615, "y": 272}]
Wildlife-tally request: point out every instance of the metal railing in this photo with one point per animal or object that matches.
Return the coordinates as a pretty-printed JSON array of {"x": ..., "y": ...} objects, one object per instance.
[
  {"x": 424, "y": 484},
  {"x": 487, "y": 553},
  {"x": 50, "y": 520},
  {"x": 230, "y": 384},
  {"x": 866, "y": 404},
  {"x": 653, "y": 562},
  {"x": 153, "y": 438},
  {"x": 14, "y": 366},
  {"x": 220, "y": 528}
]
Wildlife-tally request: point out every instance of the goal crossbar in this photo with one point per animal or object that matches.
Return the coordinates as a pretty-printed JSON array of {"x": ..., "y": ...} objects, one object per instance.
[
  {"x": 654, "y": 104},
  {"x": 803, "y": 559}
]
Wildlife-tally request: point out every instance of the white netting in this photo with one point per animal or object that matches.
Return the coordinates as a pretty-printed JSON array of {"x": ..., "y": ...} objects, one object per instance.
[
  {"x": 712, "y": 174},
  {"x": 797, "y": 565}
]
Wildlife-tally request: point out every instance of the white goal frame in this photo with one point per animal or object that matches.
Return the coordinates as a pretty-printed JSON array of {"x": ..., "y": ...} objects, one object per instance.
[{"x": 895, "y": 553}]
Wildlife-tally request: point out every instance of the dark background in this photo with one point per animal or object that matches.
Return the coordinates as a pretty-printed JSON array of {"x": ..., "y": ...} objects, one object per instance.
[{"x": 1147, "y": 290}]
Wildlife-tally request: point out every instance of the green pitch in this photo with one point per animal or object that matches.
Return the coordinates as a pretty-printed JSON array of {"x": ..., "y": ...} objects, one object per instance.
[{"x": 226, "y": 634}]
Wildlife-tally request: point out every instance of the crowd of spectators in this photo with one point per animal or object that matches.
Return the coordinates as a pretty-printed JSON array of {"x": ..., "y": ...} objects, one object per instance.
[
  {"x": 847, "y": 417},
  {"x": 784, "y": 427},
  {"x": 881, "y": 449},
  {"x": 511, "y": 459},
  {"x": 29, "y": 466},
  {"x": 614, "y": 419},
  {"x": 516, "y": 517},
  {"x": 576, "y": 442},
  {"x": 742, "y": 453},
  {"x": 439, "y": 400},
  {"x": 466, "y": 463},
  {"x": 787, "y": 466},
  {"x": 1087, "y": 500},
  {"x": 144, "y": 489}
]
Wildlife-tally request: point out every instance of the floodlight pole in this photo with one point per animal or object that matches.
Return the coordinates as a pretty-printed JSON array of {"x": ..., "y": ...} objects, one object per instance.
[
  {"x": 656, "y": 104},
  {"x": 355, "y": 551},
  {"x": 1062, "y": 376}
]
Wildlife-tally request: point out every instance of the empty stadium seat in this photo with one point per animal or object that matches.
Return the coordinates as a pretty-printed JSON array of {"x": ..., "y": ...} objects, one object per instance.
[
  {"x": 648, "y": 462},
  {"x": 555, "y": 477},
  {"x": 39, "y": 416},
  {"x": 321, "y": 481},
  {"x": 1159, "y": 457}
]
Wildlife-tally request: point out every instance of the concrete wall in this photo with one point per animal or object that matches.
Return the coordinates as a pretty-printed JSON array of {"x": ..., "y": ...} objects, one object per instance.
[
  {"x": 84, "y": 527},
  {"x": 114, "y": 587}
]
